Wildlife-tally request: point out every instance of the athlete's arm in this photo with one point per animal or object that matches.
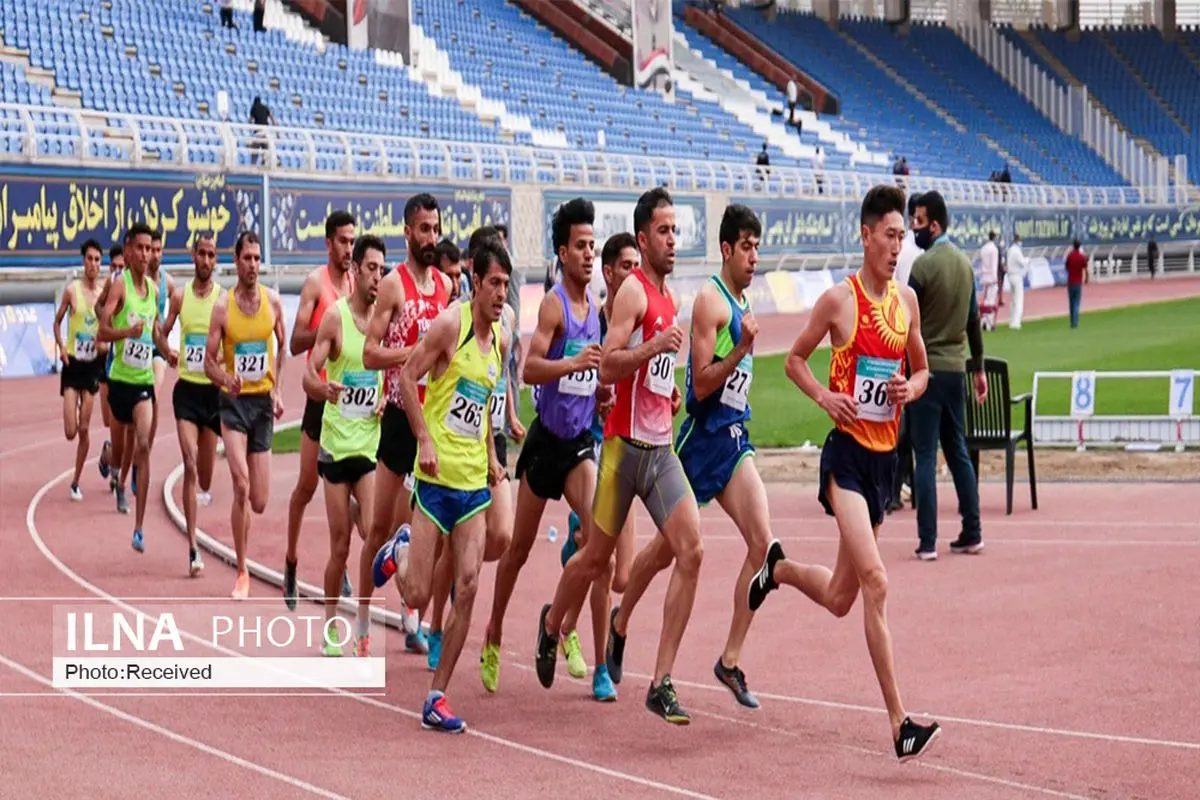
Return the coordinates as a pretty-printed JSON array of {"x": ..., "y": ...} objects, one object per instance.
[
  {"x": 508, "y": 324},
  {"x": 302, "y": 338},
  {"x": 113, "y": 303},
  {"x": 388, "y": 303},
  {"x": 538, "y": 368},
  {"x": 708, "y": 315},
  {"x": 437, "y": 342},
  {"x": 328, "y": 345},
  {"x": 280, "y": 343},
  {"x": 174, "y": 306},
  {"x": 901, "y": 391},
  {"x": 618, "y": 362},
  {"x": 831, "y": 304},
  {"x": 212, "y": 347},
  {"x": 67, "y": 302}
]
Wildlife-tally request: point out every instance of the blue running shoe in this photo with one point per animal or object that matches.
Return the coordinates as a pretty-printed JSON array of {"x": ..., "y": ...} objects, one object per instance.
[
  {"x": 435, "y": 650},
  {"x": 138, "y": 544},
  {"x": 385, "y": 560},
  {"x": 102, "y": 464},
  {"x": 602, "y": 686},
  {"x": 133, "y": 481},
  {"x": 569, "y": 544},
  {"x": 437, "y": 716}
]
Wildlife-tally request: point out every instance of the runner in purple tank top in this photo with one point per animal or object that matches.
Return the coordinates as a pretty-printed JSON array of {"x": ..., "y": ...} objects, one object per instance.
[{"x": 558, "y": 457}]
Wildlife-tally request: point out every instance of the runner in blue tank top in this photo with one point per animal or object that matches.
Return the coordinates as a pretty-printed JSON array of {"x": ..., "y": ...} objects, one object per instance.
[
  {"x": 714, "y": 444},
  {"x": 558, "y": 456}
]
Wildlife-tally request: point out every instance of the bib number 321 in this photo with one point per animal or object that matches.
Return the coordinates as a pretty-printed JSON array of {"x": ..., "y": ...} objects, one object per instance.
[
  {"x": 871, "y": 377},
  {"x": 250, "y": 360}
]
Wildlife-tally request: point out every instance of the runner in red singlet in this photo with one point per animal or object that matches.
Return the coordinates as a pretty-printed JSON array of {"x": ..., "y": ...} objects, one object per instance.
[
  {"x": 322, "y": 288},
  {"x": 638, "y": 459},
  {"x": 872, "y": 324},
  {"x": 409, "y": 300}
]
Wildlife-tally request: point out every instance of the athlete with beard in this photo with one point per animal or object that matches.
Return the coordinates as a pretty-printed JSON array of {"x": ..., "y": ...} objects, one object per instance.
[
  {"x": 409, "y": 300},
  {"x": 322, "y": 288}
]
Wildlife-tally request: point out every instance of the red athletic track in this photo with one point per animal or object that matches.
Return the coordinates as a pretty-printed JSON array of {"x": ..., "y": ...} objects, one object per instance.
[{"x": 1060, "y": 662}]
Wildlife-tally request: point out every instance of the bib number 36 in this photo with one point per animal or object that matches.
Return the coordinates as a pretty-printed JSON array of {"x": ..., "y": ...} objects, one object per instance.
[{"x": 870, "y": 388}]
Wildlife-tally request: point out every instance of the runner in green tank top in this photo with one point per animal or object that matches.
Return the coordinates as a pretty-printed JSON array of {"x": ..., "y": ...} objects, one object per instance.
[
  {"x": 129, "y": 318},
  {"x": 353, "y": 400}
]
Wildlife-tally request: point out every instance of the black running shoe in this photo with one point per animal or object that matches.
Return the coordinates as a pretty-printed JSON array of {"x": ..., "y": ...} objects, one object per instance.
[
  {"x": 735, "y": 680},
  {"x": 763, "y": 582},
  {"x": 547, "y": 651},
  {"x": 915, "y": 739},
  {"x": 662, "y": 701},
  {"x": 289, "y": 584},
  {"x": 614, "y": 654}
]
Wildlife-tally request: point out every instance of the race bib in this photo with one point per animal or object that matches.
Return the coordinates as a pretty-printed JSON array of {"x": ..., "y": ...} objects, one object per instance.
[
  {"x": 467, "y": 407},
  {"x": 496, "y": 406},
  {"x": 250, "y": 360},
  {"x": 85, "y": 347},
  {"x": 737, "y": 385},
  {"x": 582, "y": 383},
  {"x": 660, "y": 374},
  {"x": 870, "y": 388},
  {"x": 193, "y": 352},
  {"x": 136, "y": 353},
  {"x": 361, "y": 394}
]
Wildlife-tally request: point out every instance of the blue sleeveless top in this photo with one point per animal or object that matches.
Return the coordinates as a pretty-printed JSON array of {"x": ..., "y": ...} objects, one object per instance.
[
  {"x": 566, "y": 406},
  {"x": 729, "y": 404}
]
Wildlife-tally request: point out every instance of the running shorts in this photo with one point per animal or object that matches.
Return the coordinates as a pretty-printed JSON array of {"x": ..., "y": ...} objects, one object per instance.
[
  {"x": 859, "y": 470},
  {"x": 252, "y": 415},
  {"x": 199, "y": 404},
  {"x": 449, "y": 508},
  {"x": 82, "y": 376},
  {"x": 122, "y": 397},
  {"x": 710, "y": 458},
  {"x": 310, "y": 424},
  {"x": 628, "y": 470},
  {"x": 546, "y": 460},
  {"x": 397, "y": 445},
  {"x": 348, "y": 470}
]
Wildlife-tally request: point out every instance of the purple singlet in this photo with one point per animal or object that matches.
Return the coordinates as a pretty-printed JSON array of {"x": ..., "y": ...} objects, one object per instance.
[{"x": 566, "y": 406}]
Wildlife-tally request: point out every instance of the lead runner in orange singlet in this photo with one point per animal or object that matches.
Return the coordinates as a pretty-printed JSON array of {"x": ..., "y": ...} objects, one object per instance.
[
  {"x": 872, "y": 324},
  {"x": 409, "y": 300},
  {"x": 322, "y": 288}
]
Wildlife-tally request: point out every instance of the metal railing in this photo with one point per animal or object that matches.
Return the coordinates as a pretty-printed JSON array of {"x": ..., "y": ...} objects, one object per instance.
[{"x": 86, "y": 138}]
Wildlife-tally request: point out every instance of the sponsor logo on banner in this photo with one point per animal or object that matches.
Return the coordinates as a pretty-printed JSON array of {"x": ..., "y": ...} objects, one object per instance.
[{"x": 614, "y": 214}]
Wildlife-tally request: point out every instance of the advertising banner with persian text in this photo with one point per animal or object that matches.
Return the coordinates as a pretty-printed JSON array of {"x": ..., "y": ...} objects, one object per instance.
[
  {"x": 799, "y": 226},
  {"x": 614, "y": 214},
  {"x": 46, "y": 214}
]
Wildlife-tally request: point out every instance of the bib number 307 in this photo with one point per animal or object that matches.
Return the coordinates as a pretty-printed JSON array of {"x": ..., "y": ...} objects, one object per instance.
[{"x": 871, "y": 377}]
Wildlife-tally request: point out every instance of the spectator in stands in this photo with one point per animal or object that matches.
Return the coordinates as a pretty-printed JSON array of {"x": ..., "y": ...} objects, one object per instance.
[
  {"x": 1077, "y": 275},
  {"x": 763, "y": 161},
  {"x": 260, "y": 13},
  {"x": 944, "y": 283},
  {"x": 227, "y": 14},
  {"x": 1152, "y": 257},
  {"x": 260, "y": 117},
  {"x": 989, "y": 279},
  {"x": 819, "y": 169},
  {"x": 1018, "y": 266}
]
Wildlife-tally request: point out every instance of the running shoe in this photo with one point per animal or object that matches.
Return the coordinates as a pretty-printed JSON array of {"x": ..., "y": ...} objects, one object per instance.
[
  {"x": 416, "y": 643},
  {"x": 735, "y": 680},
  {"x": 489, "y": 666},
  {"x": 614, "y": 654},
  {"x": 576, "y": 666},
  {"x": 968, "y": 546},
  {"x": 435, "y": 650},
  {"x": 102, "y": 463},
  {"x": 662, "y": 701},
  {"x": 138, "y": 544},
  {"x": 76, "y": 493},
  {"x": 388, "y": 556},
  {"x": 547, "y": 651},
  {"x": 602, "y": 686},
  {"x": 203, "y": 499},
  {"x": 347, "y": 587},
  {"x": 915, "y": 739},
  {"x": 122, "y": 503},
  {"x": 763, "y": 582},
  {"x": 241, "y": 589},
  {"x": 331, "y": 648},
  {"x": 362, "y": 646},
  {"x": 437, "y": 716},
  {"x": 289, "y": 584},
  {"x": 195, "y": 564},
  {"x": 410, "y": 618},
  {"x": 570, "y": 546}
]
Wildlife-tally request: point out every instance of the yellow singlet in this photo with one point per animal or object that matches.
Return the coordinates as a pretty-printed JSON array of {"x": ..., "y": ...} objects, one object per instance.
[
  {"x": 194, "y": 317},
  {"x": 250, "y": 345},
  {"x": 82, "y": 326}
]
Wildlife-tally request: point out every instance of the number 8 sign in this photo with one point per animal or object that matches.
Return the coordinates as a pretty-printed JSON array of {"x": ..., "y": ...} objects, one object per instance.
[{"x": 1083, "y": 394}]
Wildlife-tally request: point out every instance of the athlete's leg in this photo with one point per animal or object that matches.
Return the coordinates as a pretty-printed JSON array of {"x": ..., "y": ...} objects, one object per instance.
[
  {"x": 189, "y": 448},
  {"x": 160, "y": 373},
  {"x": 384, "y": 510},
  {"x": 70, "y": 411},
  {"x": 579, "y": 491},
  {"x": 206, "y": 458},
  {"x": 239, "y": 511},
  {"x": 652, "y": 559},
  {"x": 363, "y": 497},
  {"x": 105, "y": 411},
  {"x": 302, "y": 495},
  {"x": 337, "y": 513},
  {"x": 525, "y": 526},
  {"x": 467, "y": 541},
  {"x": 120, "y": 451},
  {"x": 414, "y": 564},
  {"x": 143, "y": 424},
  {"x": 623, "y": 557},
  {"x": 84, "y": 431}
]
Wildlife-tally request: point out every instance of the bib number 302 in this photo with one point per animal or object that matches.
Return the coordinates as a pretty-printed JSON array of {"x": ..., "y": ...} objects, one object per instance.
[{"x": 871, "y": 377}]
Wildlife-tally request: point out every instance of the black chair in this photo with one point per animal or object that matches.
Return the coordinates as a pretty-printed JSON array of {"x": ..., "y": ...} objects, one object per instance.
[{"x": 989, "y": 425}]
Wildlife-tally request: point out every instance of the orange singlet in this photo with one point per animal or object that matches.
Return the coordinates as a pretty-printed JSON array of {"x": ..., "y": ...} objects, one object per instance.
[
  {"x": 861, "y": 367},
  {"x": 325, "y": 299}
]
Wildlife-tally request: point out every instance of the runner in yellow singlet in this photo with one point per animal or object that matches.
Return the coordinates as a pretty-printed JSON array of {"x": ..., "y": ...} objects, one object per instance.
[
  {"x": 456, "y": 461},
  {"x": 243, "y": 359},
  {"x": 82, "y": 359},
  {"x": 351, "y": 397},
  {"x": 195, "y": 398}
]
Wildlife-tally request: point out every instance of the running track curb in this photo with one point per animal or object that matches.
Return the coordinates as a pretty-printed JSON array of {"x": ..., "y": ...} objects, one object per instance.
[{"x": 272, "y": 577}]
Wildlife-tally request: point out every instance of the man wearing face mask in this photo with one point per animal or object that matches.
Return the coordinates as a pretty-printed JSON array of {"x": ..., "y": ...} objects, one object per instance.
[{"x": 944, "y": 281}]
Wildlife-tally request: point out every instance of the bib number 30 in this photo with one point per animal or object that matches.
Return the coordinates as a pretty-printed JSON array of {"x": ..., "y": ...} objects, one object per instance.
[{"x": 660, "y": 374}]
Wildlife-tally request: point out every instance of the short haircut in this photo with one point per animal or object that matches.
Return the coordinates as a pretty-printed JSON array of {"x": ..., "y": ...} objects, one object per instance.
[
  {"x": 490, "y": 250},
  {"x": 245, "y": 238},
  {"x": 502, "y": 230},
  {"x": 478, "y": 236},
  {"x": 579, "y": 211},
  {"x": 337, "y": 220},
  {"x": 448, "y": 251},
  {"x": 912, "y": 205},
  {"x": 91, "y": 244},
  {"x": 991, "y": 236},
  {"x": 201, "y": 236},
  {"x": 367, "y": 242},
  {"x": 138, "y": 229},
  {"x": 114, "y": 251},
  {"x": 646, "y": 204},
  {"x": 935, "y": 209},
  {"x": 420, "y": 202},
  {"x": 736, "y": 219},
  {"x": 1075, "y": 244},
  {"x": 156, "y": 235},
  {"x": 613, "y": 247},
  {"x": 880, "y": 201}
]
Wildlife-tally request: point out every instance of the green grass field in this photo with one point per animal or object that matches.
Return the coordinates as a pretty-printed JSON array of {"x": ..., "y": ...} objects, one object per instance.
[{"x": 1156, "y": 336}]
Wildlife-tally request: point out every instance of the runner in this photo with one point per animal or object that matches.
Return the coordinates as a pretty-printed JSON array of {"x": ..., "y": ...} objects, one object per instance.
[
  {"x": 450, "y": 264},
  {"x": 714, "y": 443},
  {"x": 322, "y": 288},
  {"x": 463, "y": 356},
  {"x": 243, "y": 359},
  {"x": 637, "y": 459},
  {"x": 165, "y": 287},
  {"x": 872, "y": 324},
  {"x": 195, "y": 399},
  {"x": 352, "y": 399},
  {"x": 410, "y": 299},
  {"x": 116, "y": 263},
  {"x": 130, "y": 316},
  {"x": 558, "y": 456},
  {"x": 82, "y": 363}
]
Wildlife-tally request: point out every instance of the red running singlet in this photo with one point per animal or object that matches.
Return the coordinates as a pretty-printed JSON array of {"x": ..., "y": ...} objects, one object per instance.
[
  {"x": 325, "y": 299},
  {"x": 642, "y": 411},
  {"x": 411, "y": 325}
]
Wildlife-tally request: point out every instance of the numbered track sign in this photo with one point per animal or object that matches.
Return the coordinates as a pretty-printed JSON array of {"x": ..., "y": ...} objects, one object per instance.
[
  {"x": 1083, "y": 394},
  {"x": 1183, "y": 393}
]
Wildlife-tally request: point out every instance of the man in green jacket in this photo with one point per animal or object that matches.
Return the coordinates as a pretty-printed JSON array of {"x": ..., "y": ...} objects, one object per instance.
[{"x": 944, "y": 282}]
